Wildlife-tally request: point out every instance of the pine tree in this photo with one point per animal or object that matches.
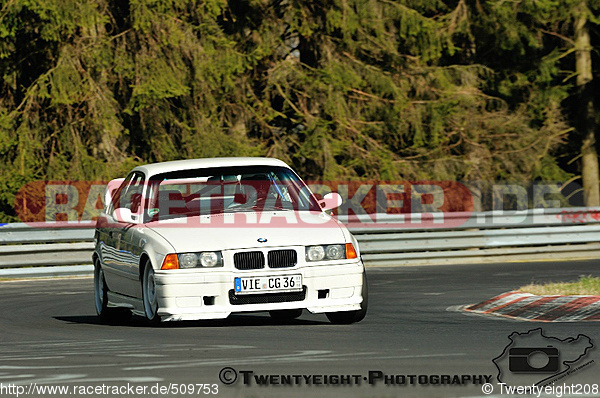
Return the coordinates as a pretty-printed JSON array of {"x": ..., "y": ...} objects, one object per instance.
[
  {"x": 344, "y": 89},
  {"x": 542, "y": 55}
]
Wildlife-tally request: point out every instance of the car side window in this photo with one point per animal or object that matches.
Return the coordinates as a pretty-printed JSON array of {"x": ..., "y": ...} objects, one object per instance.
[
  {"x": 129, "y": 194},
  {"x": 132, "y": 194},
  {"x": 116, "y": 196}
]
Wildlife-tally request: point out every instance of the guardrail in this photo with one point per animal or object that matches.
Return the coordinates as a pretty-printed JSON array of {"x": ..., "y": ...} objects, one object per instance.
[
  {"x": 493, "y": 236},
  {"x": 538, "y": 234}
]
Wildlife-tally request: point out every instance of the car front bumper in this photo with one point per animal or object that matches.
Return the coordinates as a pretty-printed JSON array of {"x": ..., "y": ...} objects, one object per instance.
[{"x": 205, "y": 294}]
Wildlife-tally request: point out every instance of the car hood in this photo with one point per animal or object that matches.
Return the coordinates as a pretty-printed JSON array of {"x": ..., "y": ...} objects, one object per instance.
[{"x": 221, "y": 232}]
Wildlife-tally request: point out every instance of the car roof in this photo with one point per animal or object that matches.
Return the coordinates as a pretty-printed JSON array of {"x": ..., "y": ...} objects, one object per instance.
[{"x": 165, "y": 167}]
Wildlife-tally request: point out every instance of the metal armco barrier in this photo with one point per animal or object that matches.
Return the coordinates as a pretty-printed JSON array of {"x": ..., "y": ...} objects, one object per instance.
[{"x": 538, "y": 234}]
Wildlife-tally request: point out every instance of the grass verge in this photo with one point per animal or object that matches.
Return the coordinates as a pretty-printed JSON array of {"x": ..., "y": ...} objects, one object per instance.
[{"x": 584, "y": 286}]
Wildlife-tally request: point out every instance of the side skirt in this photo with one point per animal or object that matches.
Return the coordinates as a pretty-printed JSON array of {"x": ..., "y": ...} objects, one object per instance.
[{"x": 134, "y": 304}]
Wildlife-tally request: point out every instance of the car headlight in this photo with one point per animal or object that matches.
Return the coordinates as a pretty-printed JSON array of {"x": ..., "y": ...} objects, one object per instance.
[
  {"x": 326, "y": 252},
  {"x": 188, "y": 260},
  {"x": 202, "y": 259},
  {"x": 315, "y": 253},
  {"x": 210, "y": 259}
]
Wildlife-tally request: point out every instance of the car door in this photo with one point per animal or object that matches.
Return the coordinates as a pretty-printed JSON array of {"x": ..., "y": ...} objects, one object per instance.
[
  {"x": 121, "y": 272},
  {"x": 106, "y": 233}
]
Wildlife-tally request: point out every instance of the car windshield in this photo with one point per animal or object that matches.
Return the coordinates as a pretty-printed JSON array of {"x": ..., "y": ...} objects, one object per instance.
[{"x": 226, "y": 190}]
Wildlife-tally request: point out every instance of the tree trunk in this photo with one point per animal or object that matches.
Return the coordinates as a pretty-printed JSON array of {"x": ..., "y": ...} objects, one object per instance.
[{"x": 585, "y": 123}]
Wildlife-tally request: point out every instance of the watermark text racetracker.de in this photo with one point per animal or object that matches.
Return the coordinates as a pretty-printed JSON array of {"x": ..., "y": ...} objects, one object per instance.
[
  {"x": 229, "y": 376},
  {"x": 132, "y": 390},
  {"x": 184, "y": 203},
  {"x": 371, "y": 204}
]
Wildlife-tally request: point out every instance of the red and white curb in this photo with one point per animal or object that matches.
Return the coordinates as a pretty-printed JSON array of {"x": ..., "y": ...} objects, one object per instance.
[{"x": 529, "y": 307}]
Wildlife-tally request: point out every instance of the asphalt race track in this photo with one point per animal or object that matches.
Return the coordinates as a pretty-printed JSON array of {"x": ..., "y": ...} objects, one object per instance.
[{"x": 49, "y": 335}]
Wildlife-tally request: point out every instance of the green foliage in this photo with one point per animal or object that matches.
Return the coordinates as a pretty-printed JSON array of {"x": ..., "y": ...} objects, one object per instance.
[
  {"x": 415, "y": 89},
  {"x": 586, "y": 285}
]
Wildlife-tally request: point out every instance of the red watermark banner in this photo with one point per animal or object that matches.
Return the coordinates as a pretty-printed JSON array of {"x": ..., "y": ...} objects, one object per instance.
[{"x": 250, "y": 203}]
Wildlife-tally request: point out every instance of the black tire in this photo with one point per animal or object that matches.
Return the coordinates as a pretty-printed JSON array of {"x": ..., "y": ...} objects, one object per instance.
[
  {"x": 285, "y": 315},
  {"x": 348, "y": 317},
  {"x": 149, "y": 295},
  {"x": 106, "y": 313}
]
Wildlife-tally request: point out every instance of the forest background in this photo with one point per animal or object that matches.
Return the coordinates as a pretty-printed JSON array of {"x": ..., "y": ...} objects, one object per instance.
[{"x": 461, "y": 90}]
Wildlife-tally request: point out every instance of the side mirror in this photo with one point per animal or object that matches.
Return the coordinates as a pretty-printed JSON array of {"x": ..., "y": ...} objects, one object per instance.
[
  {"x": 124, "y": 215},
  {"x": 331, "y": 201}
]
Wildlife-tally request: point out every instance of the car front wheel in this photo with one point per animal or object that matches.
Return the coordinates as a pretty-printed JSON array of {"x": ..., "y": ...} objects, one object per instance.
[{"x": 149, "y": 294}]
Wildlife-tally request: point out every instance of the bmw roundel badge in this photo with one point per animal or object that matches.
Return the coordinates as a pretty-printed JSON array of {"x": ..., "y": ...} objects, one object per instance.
[{"x": 261, "y": 240}]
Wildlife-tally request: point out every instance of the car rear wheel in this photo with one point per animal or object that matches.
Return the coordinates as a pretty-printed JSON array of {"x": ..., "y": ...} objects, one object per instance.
[
  {"x": 347, "y": 317},
  {"x": 285, "y": 315},
  {"x": 105, "y": 313},
  {"x": 149, "y": 294}
]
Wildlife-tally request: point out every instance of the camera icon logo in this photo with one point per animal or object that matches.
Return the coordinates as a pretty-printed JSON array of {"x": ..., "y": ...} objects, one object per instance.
[{"x": 533, "y": 360}]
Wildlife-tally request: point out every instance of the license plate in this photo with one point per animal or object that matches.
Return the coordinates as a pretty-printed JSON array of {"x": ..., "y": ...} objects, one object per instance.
[{"x": 268, "y": 284}]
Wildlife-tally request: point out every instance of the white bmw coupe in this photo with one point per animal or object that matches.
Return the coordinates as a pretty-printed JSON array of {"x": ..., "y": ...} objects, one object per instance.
[{"x": 204, "y": 238}]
